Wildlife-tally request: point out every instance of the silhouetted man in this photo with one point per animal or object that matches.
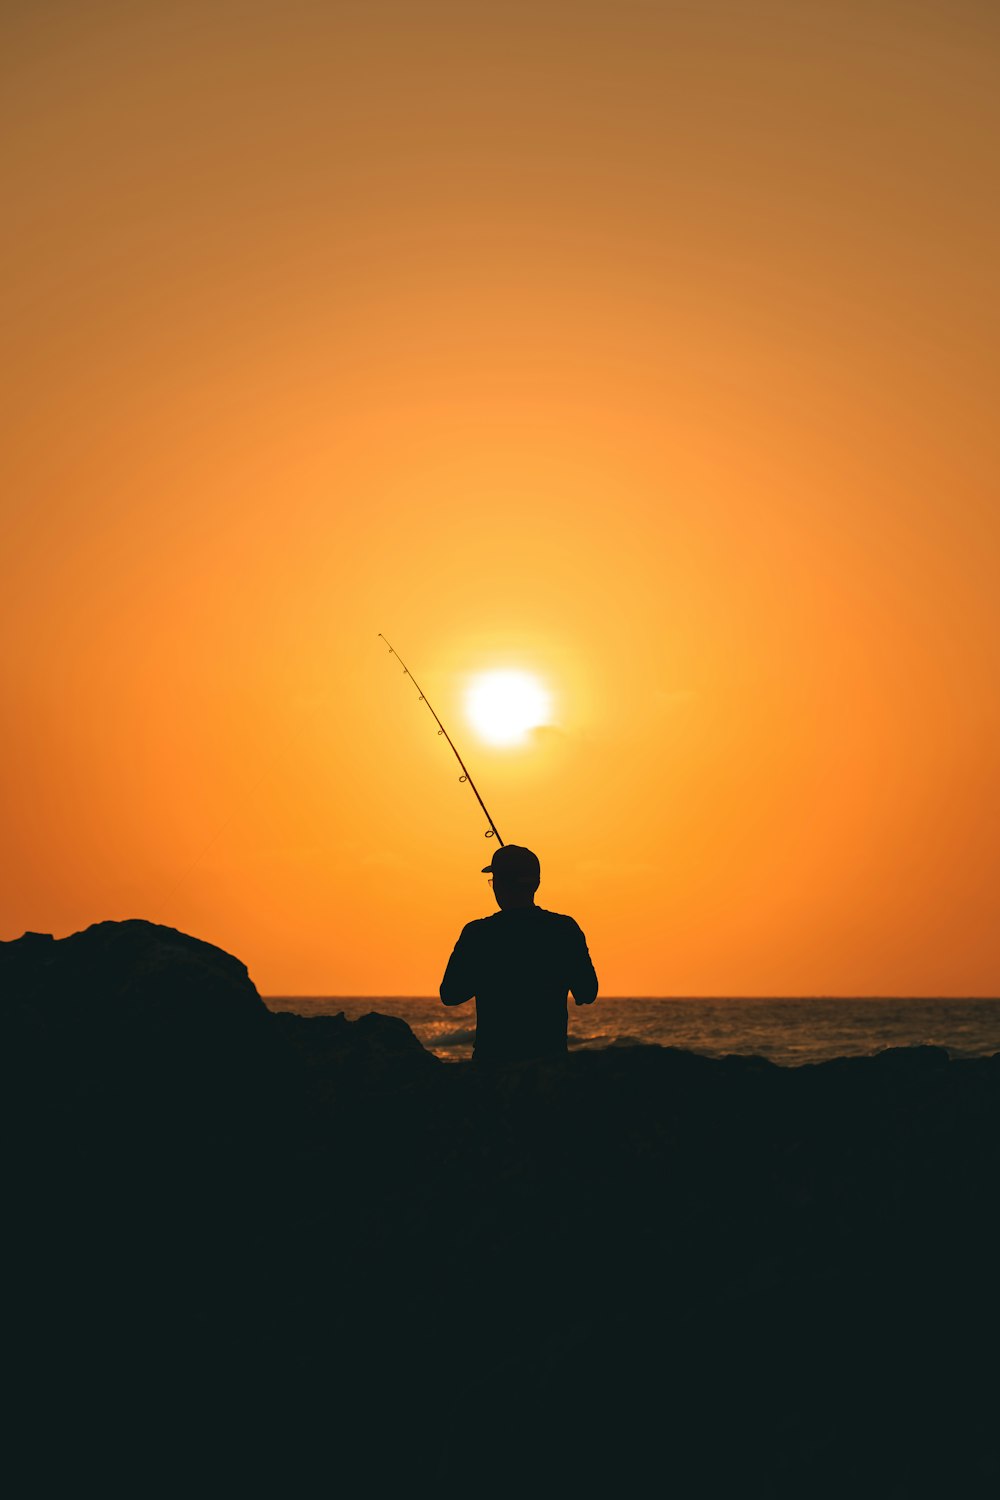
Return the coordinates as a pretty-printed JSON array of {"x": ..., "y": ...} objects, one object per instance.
[{"x": 520, "y": 965}]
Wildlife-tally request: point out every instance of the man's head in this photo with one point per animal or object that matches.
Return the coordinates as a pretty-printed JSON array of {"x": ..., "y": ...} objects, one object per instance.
[{"x": 516, "y": 875}]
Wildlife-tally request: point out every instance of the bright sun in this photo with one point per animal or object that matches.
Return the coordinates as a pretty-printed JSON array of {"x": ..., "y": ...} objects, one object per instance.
[{"x": 503, "y": 706}]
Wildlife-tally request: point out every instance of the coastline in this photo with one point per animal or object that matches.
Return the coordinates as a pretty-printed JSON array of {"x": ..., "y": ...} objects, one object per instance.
[
  {"x": 296, "y": 1242},
  {"x": 789, "y": 1031}
]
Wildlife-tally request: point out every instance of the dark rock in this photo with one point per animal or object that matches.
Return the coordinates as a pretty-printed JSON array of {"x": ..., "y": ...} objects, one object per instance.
[
  {"x": 374, "y": 1052},
  {"x": 912, "y": 1060},
  {"x": 122, "y": 967},
  {"x": 127, "y": 1006},
  {"x": 147, "y": 1015}
]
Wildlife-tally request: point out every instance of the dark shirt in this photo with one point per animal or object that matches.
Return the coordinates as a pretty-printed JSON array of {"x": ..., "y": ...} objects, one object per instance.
[{"x": 519, "y": 964}]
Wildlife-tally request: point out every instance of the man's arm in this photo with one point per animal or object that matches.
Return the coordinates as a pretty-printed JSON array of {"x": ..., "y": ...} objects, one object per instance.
[
  {"x": 459, "y": 983},
  {"x": 583, "y": 975}
]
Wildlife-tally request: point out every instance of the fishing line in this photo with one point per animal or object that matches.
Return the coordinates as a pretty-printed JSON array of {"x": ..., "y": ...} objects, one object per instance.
[{"x": 492, "y": 831}]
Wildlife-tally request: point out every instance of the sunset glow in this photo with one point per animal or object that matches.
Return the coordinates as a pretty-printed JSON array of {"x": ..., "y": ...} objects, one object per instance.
[
  {"x": 503, "y": 706},
  {"x": 649, "y": 351}
]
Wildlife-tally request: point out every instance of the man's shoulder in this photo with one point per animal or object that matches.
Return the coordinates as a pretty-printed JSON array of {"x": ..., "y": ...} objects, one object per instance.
[
  {"x": 560, "y": 919},
  {"x": 476, "y": 925}
]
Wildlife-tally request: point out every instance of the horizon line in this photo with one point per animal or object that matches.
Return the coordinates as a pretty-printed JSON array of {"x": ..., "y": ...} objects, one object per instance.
[{"x": 322, "y": 995}]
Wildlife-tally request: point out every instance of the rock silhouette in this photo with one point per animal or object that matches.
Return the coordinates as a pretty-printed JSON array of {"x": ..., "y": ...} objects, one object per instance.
[{"x": 254, "y": 1248}]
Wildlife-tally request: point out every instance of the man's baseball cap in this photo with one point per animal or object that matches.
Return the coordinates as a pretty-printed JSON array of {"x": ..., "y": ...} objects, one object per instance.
[{"x": 515, "y": 864}]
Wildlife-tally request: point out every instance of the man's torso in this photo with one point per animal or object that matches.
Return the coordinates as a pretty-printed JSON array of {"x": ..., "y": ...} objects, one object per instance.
[{"x": 520, "y": 964}]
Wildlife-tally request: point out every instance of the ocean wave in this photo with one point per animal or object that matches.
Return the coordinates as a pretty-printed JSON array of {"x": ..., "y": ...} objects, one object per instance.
[
  {"x": 462, "y": 1038},
  {"x": 609, "y": 1039}
]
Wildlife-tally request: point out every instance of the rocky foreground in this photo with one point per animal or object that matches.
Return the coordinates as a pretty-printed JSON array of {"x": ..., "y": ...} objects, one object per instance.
[{"x": 258, "y": 1252}]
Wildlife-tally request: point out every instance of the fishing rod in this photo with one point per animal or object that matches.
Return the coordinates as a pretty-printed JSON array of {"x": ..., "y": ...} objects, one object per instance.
[{"x": 492, "y": 831}]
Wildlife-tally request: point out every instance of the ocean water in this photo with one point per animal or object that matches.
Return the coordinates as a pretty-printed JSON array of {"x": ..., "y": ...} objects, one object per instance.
[{"x": 787, "y": 1031}]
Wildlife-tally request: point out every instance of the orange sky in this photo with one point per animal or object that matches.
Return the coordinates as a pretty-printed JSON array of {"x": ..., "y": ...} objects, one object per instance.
[{"x": 650, "y": 347}]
